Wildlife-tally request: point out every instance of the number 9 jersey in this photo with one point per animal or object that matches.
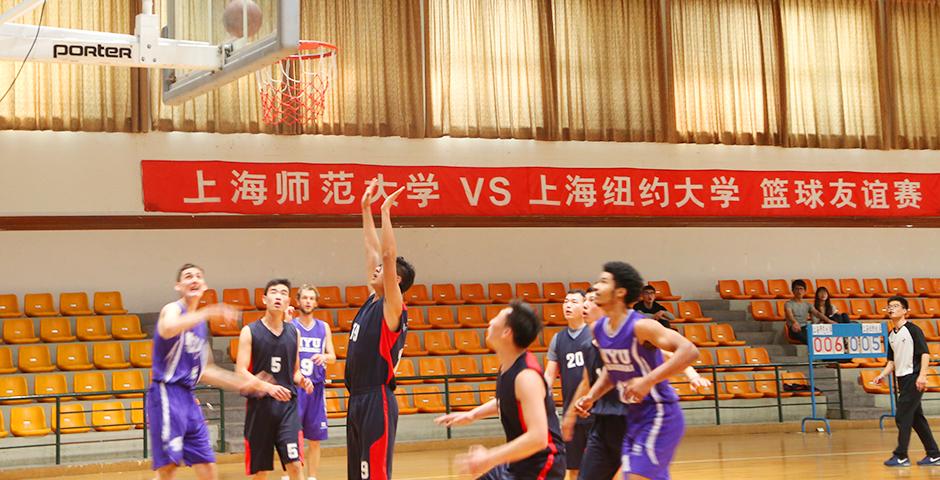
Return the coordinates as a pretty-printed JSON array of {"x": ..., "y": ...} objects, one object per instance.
[{"x": 311, "y": 407}]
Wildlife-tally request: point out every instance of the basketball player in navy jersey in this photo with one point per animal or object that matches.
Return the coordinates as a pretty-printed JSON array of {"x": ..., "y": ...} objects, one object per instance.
[
  {"x": 316, "y": 351},
  {"x": 566, "y": 354},
  {"x": 375, "y": 343},
  {"x": 630, "y": 345},
  {"x": 181, "y": 358},
  {"x": 534, "y": 449},
  {"x": 269, "y": 349}
]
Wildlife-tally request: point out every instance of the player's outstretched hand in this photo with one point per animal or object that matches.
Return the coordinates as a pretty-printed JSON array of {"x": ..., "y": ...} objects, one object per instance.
[
  {"x": 454, "y": 419},
  {"x": 636, "y": 390},
  {"x": 475, "y": 462},
  {"x": 279, "y": 393},
  {"x": 700, "y": 382},
  {"x": 583, "y": 406},
  {"x": 368, "y": 194},
  {"x": 319, "y": 359},
  {"x": 878, "y": 380},
  {"x": 390, "y": 200},
  {"x": 227, "y": 313}
]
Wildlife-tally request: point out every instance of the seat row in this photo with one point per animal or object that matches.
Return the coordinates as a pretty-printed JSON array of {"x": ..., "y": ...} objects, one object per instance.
[
  {"x": 84, "y": 386},
  {"x": 59, "y": 329},
  {"x": 847, "y": 287},
  {"x": 418, "y": 294},
  {"x": 865, "y": 378},
  {"x": 70, "y": 304},
  {"x": 74, "y": 357},
  {"x": 859, "y": 308},
  {"x": 742, "y": 386},
  {"x": 111, "y": 416}
]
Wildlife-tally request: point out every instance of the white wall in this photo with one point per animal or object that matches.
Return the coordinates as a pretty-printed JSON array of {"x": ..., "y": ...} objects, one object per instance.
[{"x": 84, "y": 173}]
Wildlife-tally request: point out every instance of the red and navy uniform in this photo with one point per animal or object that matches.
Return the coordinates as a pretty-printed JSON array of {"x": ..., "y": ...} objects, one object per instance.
[
  {"x": 372, "y": 420},
  {"x": 546, "y": 464}
]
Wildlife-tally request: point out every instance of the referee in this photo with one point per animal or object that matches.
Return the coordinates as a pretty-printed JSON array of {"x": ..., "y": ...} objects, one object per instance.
[{"x": 908, "y": 358}]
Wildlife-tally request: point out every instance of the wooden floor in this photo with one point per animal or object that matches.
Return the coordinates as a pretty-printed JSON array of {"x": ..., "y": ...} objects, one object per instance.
[{"x": 847, "y": 454}]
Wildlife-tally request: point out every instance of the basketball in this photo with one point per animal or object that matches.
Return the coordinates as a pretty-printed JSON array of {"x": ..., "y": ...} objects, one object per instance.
[{"x": 232, "y": 17}]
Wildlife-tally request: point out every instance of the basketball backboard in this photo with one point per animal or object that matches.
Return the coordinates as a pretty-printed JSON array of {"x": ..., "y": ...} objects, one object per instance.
[{"x": 202, "y": 21}]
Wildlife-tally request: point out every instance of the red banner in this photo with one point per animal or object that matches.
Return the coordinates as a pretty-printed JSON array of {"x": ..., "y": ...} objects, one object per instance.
[{"x": 331, "y": 189}]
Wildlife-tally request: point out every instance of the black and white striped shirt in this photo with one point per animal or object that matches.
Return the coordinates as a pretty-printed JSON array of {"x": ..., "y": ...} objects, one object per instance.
[{"x": 906, "y": 345}]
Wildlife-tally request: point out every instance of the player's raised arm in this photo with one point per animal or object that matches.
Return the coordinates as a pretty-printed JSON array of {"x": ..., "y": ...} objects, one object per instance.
[
  {"x": 373, "y": 248},
  {"x": 172, "y": 321},
  {"x": 390, "y": 279}
]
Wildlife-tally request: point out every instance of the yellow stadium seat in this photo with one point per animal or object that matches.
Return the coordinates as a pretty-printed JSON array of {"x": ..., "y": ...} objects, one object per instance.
[
  {"x": 127, "y": 380},
  {"x": 72, "y": 417},
  {"x": 237, "y": 298},
  {"x": 109, "y": 417},
  {"x": 137, "y": 414},
  {"x": 9, "y": 306},
  {"x": 766, "y": 383},
  {"x": 3, "y": 428},
  {"x": 29, "y": 421},
  {"x": 406, "y": 368},
  {"x": 432, "y": 367},
  {"x": 462, "y": 398},
  {"x": 429, "y": 399},
  {"x": 405, "y": 406},
  {"x": 664, "y": 291},
  {"x": 74, "y": 303},
  {"x": 13, "y": 386},
  {"x": 34, "y": 359},
  {"x": 687, "y": 393},
  {"x": 468, "y": 341},
  {"x": 109, "y": 303},
  {"x": 6, "y": 361},
  {"x": 51, "y": 384},
  {"x": 412, "y": 346},
  {"x": 55, "y": 329},
  {"x": 19, "y": 331},
  {"x": 334, "y": 408},
  {"x": 126, "y": 327},
  {"x": 39, "y": 305},
  {"x": 140, "y": 354},
  {"x": 109, "y": 356},
  {"x": 91, "y": 329},
  {"x": 465, "y": 365},
  {"x": 341, "y": 344},
  {"x": 72, "y": 357},
  {"x": 335, "y": 374},
  {"x": 89, "y": 383},
  {"x": 741, "y": 386}
]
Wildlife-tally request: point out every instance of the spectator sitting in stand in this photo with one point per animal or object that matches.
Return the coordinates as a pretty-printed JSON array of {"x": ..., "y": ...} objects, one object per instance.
[
  {"x": 825, "y": 306},
  {"x": 798, "y": 312},
  {"x": 651, "y": 308}
]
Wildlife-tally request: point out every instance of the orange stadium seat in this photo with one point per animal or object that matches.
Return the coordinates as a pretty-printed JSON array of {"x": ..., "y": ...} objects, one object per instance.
[
  {"x": 757, "y": 356},
  {"x": 663, "y": 291},
  {"x": 724, "y": 335},
  {"x": 464, "y": 365},
  {"x": 238, "y": 298},
  {"x": 462, "y": 398},
  {"x": 72, "y": 357},
  {"x": 468, "y": 342},
  {"x": 330, "y": 298},
  {"x": 698, "y": 334},
  {"x": 871, "y": 362},
  {"x": 916, "y": 309},
  {"x": 798, "y": 378},
  {"x": 233, "y": 349},
  {"x": 934, "y": 349},
  {"x": 755, "y": 288},
  {"x": 442, "y": 317},
  {"x": 406, "y": 368},
  {"x": 55, "y": 329},
  {"x": 341, "y": 344},
  {"x": 830, "y": 284},
  {"x": 209, "y": 297},
  {"x": 334, "y": 407},
  {"x": 529, "y": 291},
  {"x": 549, "y": 332},
  {"x": 34, "y": 359},
  {"x": 29, "y": 421},
  {"x": 851, "y": 287},
  {"x": 405, "y": 405},
  {"x": 865, "y": 377},
  {"x": 123, "y": 381},
  {"x": 692, "y": 312},
  {"x": 429, "y": 399},
  {"x": 704, "y": 359},
  {"x": 19, "y": 330},
  {"x": 335, "y": 374},
  {"x": 346, "y": 316},
  {"x": 924, "y": 287},
  {"x": 91, "y": 329},
  {"x": 109, "y": 356},
  {"x": 500, "y": 292},
  {"x": 445, "y": 294},
  {"x": 687, "y": 393},
  {"x": 259, "y": 299},
  {"x": 741, "y": 386},
  {"x": 766, "y": 383},
  {"x": 862, "y": 308},
  {"x": 13, "y": 386},
  {"x": 554, "y": 291},
  {"x": 417, "y": 295},
  {"x": 412, "y": 346},
  {"x": 473, "y": 293},
  {"x": 109, "y": 303},
  {"x": 579, "y": 286},
  {"x": 72, "y": 418},
  {"x": 709, "y": 391},
  {"x": 6, "y": 361},
  {"x": 930, "y": 331},
  {"x": 357, "y": 295},
  {"x": 417, "y": 320},
  {"x": 9, "y": 307},
  {"x": 251, "y": 316},
  {"x": 428, "y": 366},
  {"x": 73, "y": 304},
  {"x": 85, "y": 383},
  {"x": 490, "y": 365},
  {"x": 109, "y": 417},
  {"x": 932, "y": 306},
  {"x": 762, "y": 311},
  {"x": 842, "y": 306},
  {"x": 881, "y": 307},
  {"x": 730, "y": 359},
  {"x": 898, "y": 286},
  {"x": 137, "y": 414},
  {"x": 779, "y": 288},
  {"x": 221, "y": 327},
  {"x": 492, "y": 311},
  {"x": 553, "y": 315},
  {"x": 933, "y": 380},
  {"x": 126, "y": 327},
  {"x": 39, "y": 305},
  {"x": 471, "y": 316},
  {"x": 875, "y": 287},
  {"x": 140, "y": 354},
  {"x": 438, "y": 343}
]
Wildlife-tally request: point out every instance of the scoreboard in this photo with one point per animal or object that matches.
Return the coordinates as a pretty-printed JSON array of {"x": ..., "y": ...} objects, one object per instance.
[{"x": 847, "y": 340}]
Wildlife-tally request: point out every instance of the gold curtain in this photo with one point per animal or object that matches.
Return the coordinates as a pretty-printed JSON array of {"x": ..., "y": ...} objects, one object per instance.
[
  {"x": 914, "y": 66},
  {"x": 832, "y": 71},
  {"x": 58, "y": 96},
  {"x": 489, "y": 69},
  {"x": 609, "y": 70},
  {"x": 725, "y": 71},
  {"x": 377, "y": 86}
]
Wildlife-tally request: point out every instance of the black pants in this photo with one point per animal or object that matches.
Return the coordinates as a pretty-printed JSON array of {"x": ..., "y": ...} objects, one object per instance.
[
  {"x": 602, "y": 454},
  {"x": 840, "y": 318},
  {"x": 911, "y": 415},
  {"x": 798, "y": 336}
]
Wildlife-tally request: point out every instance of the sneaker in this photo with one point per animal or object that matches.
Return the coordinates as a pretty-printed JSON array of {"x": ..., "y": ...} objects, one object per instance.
[
  {"x": 930, "y": 461},
  {"x": 894, "y": 461}
]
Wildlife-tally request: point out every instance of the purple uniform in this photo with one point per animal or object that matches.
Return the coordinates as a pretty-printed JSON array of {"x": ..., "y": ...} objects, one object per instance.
[
  {"x": 178, "y": 431},
  {"x": 312, "y": 406},
  {"x": 655, "y": 424}
]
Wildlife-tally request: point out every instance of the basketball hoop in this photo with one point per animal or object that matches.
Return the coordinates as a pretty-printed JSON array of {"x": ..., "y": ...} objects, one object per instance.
[{"x": 293, "y": 90}]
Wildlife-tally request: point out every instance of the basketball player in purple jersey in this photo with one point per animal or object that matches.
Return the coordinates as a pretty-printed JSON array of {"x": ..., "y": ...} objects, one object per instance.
[
  {"x": 375, "y": 343},
  {"x": 630, "y": 345},
  {"x": 269, "y": 349},
  {"x": 182, "y": 357},
  {"x": 534, "y": 449},
  {"x": 316, "y": 351}
]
